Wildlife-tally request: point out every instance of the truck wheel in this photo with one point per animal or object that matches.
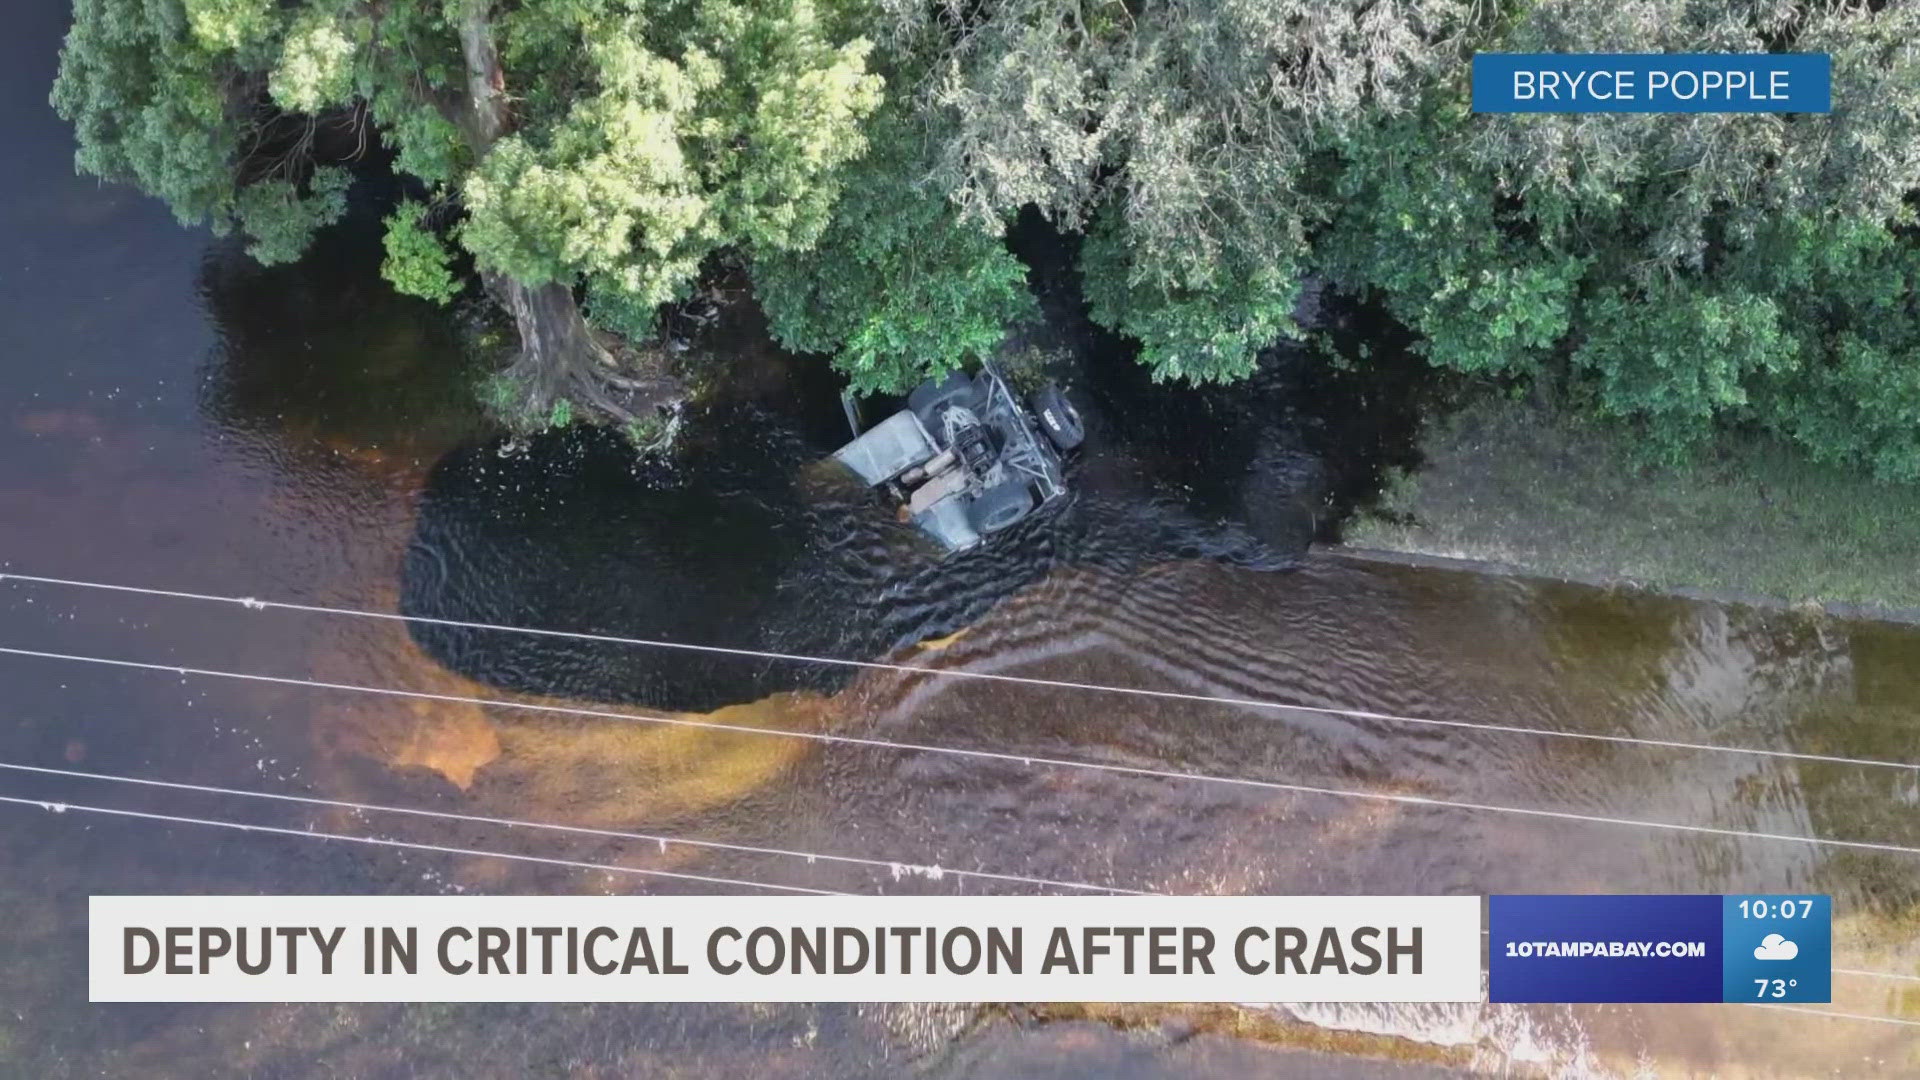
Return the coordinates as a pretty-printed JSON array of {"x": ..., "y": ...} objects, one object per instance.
[
  {"x": 930, "y": 399},
  {"x": 1000, "y": 506},
  {"x": 1058, "y": 418}
]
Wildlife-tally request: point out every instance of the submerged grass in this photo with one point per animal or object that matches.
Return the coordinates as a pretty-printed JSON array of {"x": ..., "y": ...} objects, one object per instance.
[{"x": 1506, "y": 482}]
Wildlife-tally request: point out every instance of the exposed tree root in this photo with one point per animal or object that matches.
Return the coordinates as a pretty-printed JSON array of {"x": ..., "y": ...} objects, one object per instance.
[{"x": 565, "y": 370}]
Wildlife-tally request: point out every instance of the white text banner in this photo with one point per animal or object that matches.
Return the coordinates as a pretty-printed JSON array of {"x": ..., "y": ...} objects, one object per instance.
[{"x": 809, "y": 948}]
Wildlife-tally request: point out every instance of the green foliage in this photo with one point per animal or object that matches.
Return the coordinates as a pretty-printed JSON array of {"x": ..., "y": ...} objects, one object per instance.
[
  {"x": 281, "y": 221},
  {"x": 427, "y": 145},
  {"x": 1185, "y": 133},
  {"x": 418, "y": 263},
  {"x": 146, "y": 87},
  {"x": 1847, "y": 286},
  {"x": 622, "y": 311},
  {"x": 144, "y": 96},
  {"x": 612, "y": 177},
  {"x": 228, "y": 25},
  {"x": 497, "y": 393},
  {"x": 1680, "y": 272},
  {"x": 648, "y": 431},
  {"x": 785, "y": 114},
  {"x": 316, "y": 62},
  {"x": 413, "y": 53},
  {"x": 1675, "y": 359},
  {"x": 1677, "y": 272},
  {"x": 1209, "y": 331},
  {"x": 898, "y": 289},
  {"x": 651, "y": 135},
  {"x": 721, "y": 125},
  {"x": 1485, "y": 294}
]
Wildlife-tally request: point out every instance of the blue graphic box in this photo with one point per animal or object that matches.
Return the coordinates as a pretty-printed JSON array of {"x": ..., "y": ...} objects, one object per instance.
[
  {"x": 1530, "y": 935},
  {"x": 1659, "y": 948},
  {"x": 1652, "y": 82},
  {"x": 1778, "y": 948}
]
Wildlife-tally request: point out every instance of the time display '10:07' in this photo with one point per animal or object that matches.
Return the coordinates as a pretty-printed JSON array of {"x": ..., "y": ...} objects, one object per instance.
[{"x": 1781, "y": 909}]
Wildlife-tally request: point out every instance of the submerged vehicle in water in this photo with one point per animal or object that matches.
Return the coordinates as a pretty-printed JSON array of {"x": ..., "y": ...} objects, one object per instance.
[{"x": 966, "y": 458}]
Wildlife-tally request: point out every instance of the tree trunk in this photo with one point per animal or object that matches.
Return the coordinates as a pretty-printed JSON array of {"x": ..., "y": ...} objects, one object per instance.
[
  {"x": 560, "y": 358},
  {"x": 486, "y": 82}
]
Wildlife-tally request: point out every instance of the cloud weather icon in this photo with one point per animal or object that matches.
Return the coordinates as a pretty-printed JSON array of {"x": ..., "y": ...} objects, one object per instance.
[{"x": 1775, "y": 947}]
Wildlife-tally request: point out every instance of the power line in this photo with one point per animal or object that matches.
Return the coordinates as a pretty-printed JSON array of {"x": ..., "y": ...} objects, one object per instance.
[
  {"x": 898, "y": 868},
  {"x": 175, "y": 819},
  {"x": 1876, "y": 974},
  {"x": 253, "y": 604},
  {"x": 57, "y": 807},
  {"x": 895, "y": 867},
  {"x": 1834, "y": 1015},
  {"x": 1027, "y": 760}
]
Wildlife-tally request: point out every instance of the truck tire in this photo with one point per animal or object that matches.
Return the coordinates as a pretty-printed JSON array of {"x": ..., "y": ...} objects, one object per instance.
[
  {"x": 930, "y": 399},
  {"x": 1058, "y": 418},
  {"x": 1000, "y": 506}
]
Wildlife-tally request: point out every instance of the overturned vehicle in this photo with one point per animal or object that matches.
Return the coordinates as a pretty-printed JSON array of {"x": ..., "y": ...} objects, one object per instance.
[{"x": 966, "y": 458}]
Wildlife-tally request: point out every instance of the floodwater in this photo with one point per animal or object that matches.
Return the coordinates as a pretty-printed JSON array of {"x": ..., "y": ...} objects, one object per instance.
[{"x": 171, "y": 416}]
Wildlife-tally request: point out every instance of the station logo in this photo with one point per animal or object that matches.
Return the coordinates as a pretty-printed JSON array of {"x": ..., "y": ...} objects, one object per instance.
[{"x": 1660, "y": 948}]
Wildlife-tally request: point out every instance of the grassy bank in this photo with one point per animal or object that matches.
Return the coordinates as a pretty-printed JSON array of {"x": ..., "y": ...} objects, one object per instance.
[{"x": 1506, "y": 483}]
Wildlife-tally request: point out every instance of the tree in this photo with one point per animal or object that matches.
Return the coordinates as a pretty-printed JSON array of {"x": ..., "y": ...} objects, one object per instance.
[
  {"x": 604, "y": 146},
  {"x": 898, "y": 288},
  {"x": 1182, "y": 134},
  {"x": 1679, "y": 272}
]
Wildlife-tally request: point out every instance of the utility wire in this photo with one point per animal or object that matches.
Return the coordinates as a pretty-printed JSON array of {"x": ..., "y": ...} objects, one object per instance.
[
  {"x": 1876, "y": 974},
  {"x": 58, "y": 807},
  {"x": 253, "y": 604},
  {"x": 895, "y": 867},
  {"x": 1834, "y": 1015},
  {"x": 256, "y": 604},
  {"x": 1028, "y": 760}
]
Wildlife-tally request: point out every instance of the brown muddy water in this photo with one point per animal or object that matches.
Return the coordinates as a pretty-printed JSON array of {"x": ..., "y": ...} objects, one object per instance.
[{"x": 172, "y": 416}]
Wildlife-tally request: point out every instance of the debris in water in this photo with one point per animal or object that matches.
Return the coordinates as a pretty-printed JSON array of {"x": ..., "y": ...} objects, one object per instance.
[{"x": 900, "y": 870}]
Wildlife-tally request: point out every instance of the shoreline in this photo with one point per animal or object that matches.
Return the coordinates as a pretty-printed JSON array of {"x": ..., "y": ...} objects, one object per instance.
[
  {"x": 1466, "y": 564},
  {"x": 1510, "y": 489}
]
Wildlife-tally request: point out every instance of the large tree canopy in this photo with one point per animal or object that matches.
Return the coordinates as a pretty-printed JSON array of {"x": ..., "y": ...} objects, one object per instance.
[
  {"x": 1680, "y": 272},
  {"x": 1182, "y": 135},
  {"x": 899, "y": 287},
  {"x": 609, "y": 145}
]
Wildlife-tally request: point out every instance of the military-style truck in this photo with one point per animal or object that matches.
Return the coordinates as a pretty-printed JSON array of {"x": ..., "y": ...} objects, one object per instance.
[{"x": 966, "y": 458}]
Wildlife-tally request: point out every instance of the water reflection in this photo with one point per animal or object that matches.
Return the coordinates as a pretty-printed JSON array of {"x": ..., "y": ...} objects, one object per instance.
[
  {"x": 742, "y": 539},
  {"x": 320, "y": 358}
]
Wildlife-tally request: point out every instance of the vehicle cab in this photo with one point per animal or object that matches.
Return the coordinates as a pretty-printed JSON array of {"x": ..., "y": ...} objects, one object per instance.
[{"x": 966, "y": 458}]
